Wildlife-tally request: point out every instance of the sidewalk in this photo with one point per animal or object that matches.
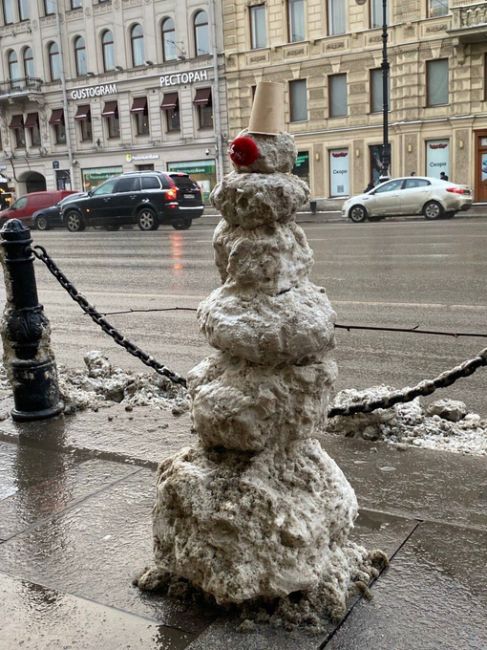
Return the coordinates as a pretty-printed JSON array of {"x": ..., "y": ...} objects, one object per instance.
[{"x": 75, "y": 525}]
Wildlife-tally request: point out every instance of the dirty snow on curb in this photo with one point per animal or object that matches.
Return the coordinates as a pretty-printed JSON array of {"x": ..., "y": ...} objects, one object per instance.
[{"x": 445, "y": 424}]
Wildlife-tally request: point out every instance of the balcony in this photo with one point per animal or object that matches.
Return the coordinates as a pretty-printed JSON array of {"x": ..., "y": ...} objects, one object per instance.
[
  {"x": 469, "y": 23},
  {"x": 28, "y": 88}
]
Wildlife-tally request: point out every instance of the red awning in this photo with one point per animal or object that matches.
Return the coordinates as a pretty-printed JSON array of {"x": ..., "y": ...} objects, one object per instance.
[
  {"x": 202, "y": 97},
  {"x": 17, "y": 122},
  {"x": 110, "y": 108},
  {"x": 139, "y": 105},
  {"x": 32, "y": 120},
  {"x": 57, "y": 116},
  {"x": 83, "y": 112},
  {"x": 169, "y": 101}
]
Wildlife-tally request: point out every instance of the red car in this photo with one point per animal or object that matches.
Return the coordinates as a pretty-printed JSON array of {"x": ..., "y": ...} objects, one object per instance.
[{"x": 25, "y": 206}]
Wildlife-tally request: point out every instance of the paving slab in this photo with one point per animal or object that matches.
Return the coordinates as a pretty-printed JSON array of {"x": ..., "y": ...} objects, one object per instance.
[{"x": 432, "y": 597}]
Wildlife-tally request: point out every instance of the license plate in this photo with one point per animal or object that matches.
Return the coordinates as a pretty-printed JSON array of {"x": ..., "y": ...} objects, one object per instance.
[{"x": 188, "y": 196}]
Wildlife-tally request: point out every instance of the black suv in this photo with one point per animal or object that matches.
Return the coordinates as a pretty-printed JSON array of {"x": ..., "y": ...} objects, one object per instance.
[{"x": 146, "y": 198}]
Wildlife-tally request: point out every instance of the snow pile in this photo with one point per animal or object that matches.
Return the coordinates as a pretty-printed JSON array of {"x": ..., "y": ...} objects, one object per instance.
[{"x": 445, "y": 424}]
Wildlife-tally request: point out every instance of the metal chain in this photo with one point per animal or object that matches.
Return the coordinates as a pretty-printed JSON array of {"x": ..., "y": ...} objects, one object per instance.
[{"x": 41, "y": 254}]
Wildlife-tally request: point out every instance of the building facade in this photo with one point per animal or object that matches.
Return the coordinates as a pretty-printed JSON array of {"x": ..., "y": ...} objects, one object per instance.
[
  {"x": 93, "y": 88},
  {"x": 328, "y": 53}
]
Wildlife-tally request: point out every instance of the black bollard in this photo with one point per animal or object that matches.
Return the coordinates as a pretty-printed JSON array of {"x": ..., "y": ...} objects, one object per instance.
[{"x": 28, "y": 358}]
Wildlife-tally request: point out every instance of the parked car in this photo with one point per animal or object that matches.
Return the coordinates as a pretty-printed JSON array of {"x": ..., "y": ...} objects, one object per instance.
[
  {"x": 25, "y": 206},
  {"x": 146, "y": 198},
  {"x": 48, "y": 218},
  {"x": 431, "y": 197}
]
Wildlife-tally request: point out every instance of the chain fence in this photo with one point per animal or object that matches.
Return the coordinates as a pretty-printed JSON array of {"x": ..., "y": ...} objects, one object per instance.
[{"x": 424, "y": 388}]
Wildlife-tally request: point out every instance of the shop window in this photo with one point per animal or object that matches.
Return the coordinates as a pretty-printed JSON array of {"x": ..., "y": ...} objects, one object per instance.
[
  {"x": 437, "y": 82},
  {"x": 337, "y": 100},
  {"x": 170, "y": 105},
  {"x": 169, "y": 50},
  {"x": 301, "y": 166},
  {"x": 337, "y": 17},
  {"x": 140, "y": 112},
  {"x": 295, "y": 17},
  {"x": 376, "y": 14},
  {"x": 32, "y": 127},
  {"x": 54, "y": 61},
  {"x": 377, "y": 91},
  {"x": 298, "y": 103},
  {"x": 57, "y": 122},
  {"x": 110, "y": 115},
  {"x": 137, "y": 44},
  {"x": 49, "y": 7},
  {"x": 24, "y": 13},
  {"x": 258, "y": 30},
  {"x": 80, "y": 56},
  {"x": 437, "y": 8},
  {"x": 437, "y": 158},
  {"x": 204, "y": 106},
  {"x": 29, "y": 67},
  {"x": 108, "y": 50},
  {"x": 339, "y": 172},
  {"x": 8, "y": 11},
  {"x": 201, "y": 33},
  {"x": 17, "y": 126},
  {"x": 83, "y": 117},
  {"x": 13, "y": 69}
]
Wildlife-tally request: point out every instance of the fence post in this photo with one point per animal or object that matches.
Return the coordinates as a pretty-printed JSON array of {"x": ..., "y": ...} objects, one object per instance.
[{"x": 27, "y": 355}]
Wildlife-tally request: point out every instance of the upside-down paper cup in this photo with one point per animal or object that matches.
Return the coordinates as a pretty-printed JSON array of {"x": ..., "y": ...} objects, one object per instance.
[{"x": 267, "y": 115}]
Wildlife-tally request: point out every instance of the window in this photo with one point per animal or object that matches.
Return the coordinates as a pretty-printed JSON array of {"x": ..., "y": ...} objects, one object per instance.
[
  {"x": 49, "y": 7},
  {"x": 80, "y": 56},
  {"x": 76, "y": 4},
  {"x": 204, "y": 105},
  {"x": 298, "y": 104},
  {"x": 29, "y": 68},
  {"x": 150, "y": 183},
  {"x": 108, "y": 50},
  {"x": 170, "y": 105},
  {"x": 437, "y": 8},
  {"x": 437, "y": 82},
  {"x": 391, "y": 186},
  {"x": 201, "y": 34},
  {"x": 377, "y": 91},
  {"x": 8, "y": 12},
  {"x": 57, "y": 122},
  {"x": 17, "y": 126},
  {"x": 32, "y": 126},
  {"x": 295, "y": 17},
  {"x": 140, "y": 112},
  {"x": 54, "y": 61},
  {"x": 137, "y": 44},
  {"x": 339, "y": 172},
  {"x": 337, "y": 17},
  {"x": 258, "y": 31},
  {"x": 169, "y": 51},
  {"x": 83, "y": 117},
  {"x": 411, "y": 183},
  {"x": 110, "y": 113},
  {"x": 105, "y": 188},
  {"x": 24, "y": 13},
  {"x": 337, "y": 101},
  {"x": 127, "y": 184},
  {"x": 376, "y": 13},
  {"x": 13, "y": 69},
  {"x": 437, "y": 157}
]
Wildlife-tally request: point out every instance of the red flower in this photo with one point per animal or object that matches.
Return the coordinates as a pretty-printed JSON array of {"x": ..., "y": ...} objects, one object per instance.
[{"x": 243, "y": 151}]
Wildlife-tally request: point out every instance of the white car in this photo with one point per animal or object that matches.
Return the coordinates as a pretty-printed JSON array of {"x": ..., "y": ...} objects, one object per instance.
[{"x": 410, "y": 195}]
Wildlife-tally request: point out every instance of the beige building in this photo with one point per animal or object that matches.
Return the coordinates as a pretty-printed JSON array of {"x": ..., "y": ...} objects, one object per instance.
[
  {"x": 91, "y": 88},
  {"x": 329, "y": 53}
]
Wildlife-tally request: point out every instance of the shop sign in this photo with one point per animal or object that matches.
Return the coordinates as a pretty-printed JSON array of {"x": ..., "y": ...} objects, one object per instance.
[
  {"x": 194, "y": 167},
  {"x": 177, "y": 78},
  {"x": 339, "y": 172},
  {"x": 437, "y": 157},
  {"x": 129, "y": 157},
  {"x": 93, "y": 91}
]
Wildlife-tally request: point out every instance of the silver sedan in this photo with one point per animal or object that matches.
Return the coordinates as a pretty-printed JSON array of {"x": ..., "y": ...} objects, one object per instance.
[{"x": 410, "y": 195}]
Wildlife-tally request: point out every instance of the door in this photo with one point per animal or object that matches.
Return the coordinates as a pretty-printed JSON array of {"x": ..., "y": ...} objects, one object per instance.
[
  {"x": 415, "y": 193},
  {"x": 125, "y": 198},
  {"x": 98, "y": 206},
  {"x": 386, "y": 199},
  {"x": 481, "y": 167}
]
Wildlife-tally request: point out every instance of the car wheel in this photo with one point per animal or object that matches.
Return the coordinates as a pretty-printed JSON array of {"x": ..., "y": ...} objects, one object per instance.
[
  {"x": 147, "y": 220},
  {"x": 357, "y": 213},
  {"x": 42, "y": 223},
  {"x": 182, "y": 224},
  {"x": 432, "y": 210},
  {"x": 74, "y": 221}
]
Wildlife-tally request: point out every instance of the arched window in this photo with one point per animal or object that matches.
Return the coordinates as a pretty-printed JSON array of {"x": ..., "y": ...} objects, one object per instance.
[
  {"x": 80, "y": 56},
  {"x": 169, "y": 50},
  {"x": 13, "y": 66},
  {"x": 137, "y": 42},
  {"x": 201, "y": 34},
  {"x": 29, "y": 67},
  {"x": 108, "y": 50},
  {"x": 54, "y": 61}
]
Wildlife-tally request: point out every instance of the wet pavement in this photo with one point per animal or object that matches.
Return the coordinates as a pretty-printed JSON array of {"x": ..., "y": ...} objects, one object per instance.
[{"x": 75, "y": 526}]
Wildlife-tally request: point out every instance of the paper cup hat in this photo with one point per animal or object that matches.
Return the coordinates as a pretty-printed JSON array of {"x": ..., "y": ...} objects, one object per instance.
[{"x": 267, "y": 115}]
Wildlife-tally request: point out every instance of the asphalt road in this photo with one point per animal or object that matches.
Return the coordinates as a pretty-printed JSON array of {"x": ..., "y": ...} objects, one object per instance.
[{"x": 399, "y": 273}]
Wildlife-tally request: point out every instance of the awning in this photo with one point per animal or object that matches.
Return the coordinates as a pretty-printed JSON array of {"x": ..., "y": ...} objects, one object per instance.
[
  {"x": 169, "y": 101},
  {"x": 139, "y": 105},
  {"x": 202, "y": 97},
  {"x": 83, "y": 112},
  {"x": 32, "y": 120},
  {"x": 57, "y": 116},
  {"x": 110, "y": 108},
  {"x": 17, "y": 122}
]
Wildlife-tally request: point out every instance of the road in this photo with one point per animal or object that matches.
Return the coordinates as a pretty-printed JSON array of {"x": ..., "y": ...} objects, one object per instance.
[{"x": 400, "y": 273}]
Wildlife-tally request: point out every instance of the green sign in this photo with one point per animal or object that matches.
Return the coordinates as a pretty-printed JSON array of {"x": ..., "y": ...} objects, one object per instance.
[
  {"x": 94, "y": 176},
  {"x": 195, "y": 167},
  {"x": 301, "y": 166}
]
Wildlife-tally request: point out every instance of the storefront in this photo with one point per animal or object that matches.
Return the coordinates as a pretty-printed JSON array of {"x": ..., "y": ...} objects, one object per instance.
[
  {"x": 94, "y": 176},
  {"x": 202, "y": 172},
  {"x": 437, "y": 158},
  {"x": 339, "y": 172}
]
